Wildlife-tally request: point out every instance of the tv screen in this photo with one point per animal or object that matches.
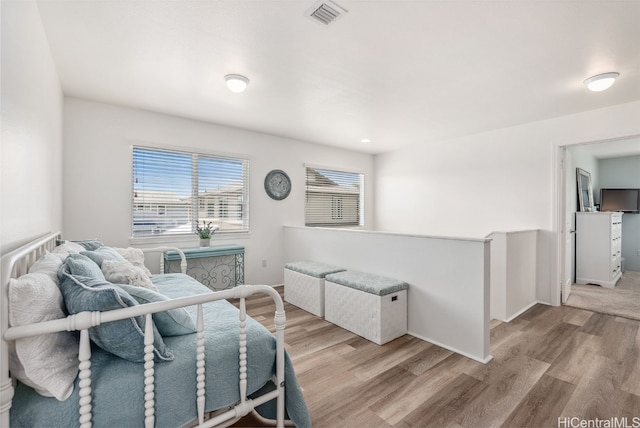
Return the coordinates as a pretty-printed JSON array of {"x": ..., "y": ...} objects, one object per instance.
[{"x": 625, "y": 200}]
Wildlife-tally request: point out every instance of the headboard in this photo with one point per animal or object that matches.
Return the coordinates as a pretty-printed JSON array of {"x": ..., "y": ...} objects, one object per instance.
[{"x": 12, "y": 265}]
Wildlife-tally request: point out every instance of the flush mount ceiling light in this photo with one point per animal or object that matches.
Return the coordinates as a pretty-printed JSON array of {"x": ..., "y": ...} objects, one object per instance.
[
  {"x": 236, "y": 83},
  {"x": 601, "y": 82}
]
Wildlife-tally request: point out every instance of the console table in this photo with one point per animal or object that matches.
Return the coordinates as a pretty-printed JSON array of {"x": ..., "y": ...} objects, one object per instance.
[{"x": 219, "y": 267}]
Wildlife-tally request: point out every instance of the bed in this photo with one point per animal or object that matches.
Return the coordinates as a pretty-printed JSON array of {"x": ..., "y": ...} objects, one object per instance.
[{"x": 186, "y": 358}]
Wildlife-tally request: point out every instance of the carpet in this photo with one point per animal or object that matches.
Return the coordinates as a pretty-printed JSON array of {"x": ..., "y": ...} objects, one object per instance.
[{"x": 622, "y": 301}]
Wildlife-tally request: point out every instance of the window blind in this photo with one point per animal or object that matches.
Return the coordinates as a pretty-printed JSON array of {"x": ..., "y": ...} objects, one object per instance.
[
  {"x": 333, "y": 198},
  {"x": 173, "y": 191}
]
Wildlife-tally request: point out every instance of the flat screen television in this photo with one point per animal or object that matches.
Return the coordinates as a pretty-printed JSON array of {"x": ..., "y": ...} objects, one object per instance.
[{"x": 625, "y": 200}]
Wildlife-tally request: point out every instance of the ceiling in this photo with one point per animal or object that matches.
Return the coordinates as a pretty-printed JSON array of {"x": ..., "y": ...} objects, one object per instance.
[
  {"x": 612, "y": 149},
  {"x": 396, "y": 72}
]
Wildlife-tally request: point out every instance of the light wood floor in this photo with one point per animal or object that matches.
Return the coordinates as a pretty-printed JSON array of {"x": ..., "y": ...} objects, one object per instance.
[{"x": 549, "y": 363}]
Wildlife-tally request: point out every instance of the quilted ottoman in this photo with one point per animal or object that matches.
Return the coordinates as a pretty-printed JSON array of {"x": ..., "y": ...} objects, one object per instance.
[
  {"x": 304, "y": 284},
  {"x": 368, "y": 305}
]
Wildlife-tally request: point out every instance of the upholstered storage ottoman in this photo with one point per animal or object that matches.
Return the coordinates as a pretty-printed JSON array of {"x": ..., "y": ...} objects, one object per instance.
[
  {"x": 304, "y": 284},
  {"x": 368, "y": 305}
]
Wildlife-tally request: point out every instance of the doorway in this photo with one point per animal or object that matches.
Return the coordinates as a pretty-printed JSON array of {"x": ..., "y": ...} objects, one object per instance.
[{"x": 566, "y": 208}]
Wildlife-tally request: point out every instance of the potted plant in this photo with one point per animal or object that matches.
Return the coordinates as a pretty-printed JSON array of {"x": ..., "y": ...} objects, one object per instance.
[{"x": 205, "y": 232}]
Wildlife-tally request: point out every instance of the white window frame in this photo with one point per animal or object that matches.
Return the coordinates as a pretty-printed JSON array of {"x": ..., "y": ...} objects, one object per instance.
[
  {"x": 191, "y": 197},
  {"x": 330, "y": 201}
]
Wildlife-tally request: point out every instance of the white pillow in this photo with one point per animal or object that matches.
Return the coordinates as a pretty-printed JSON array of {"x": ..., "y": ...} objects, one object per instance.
[
  {"x": 117, "y": 272},
  {"x": 49, "y": 362},
  {"x": 68, "y": 247},
  {"x": 135, "y": 256},
  {"x": 48, "y": 263}
]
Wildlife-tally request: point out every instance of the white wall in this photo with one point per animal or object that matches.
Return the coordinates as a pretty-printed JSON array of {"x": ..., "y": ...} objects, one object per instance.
[
  {"x": 97, "y": 176},
  {"x": 583, "y": 159},
  {"x": 513, "y": 273},
  {"x": 500, "y": 180},
  {"x": 448, "y": 297},
  {"x": 31, "y": 141}
]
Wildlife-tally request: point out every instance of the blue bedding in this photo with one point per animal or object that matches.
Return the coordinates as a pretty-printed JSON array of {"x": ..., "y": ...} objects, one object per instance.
[{"x": 118, "y": 385}]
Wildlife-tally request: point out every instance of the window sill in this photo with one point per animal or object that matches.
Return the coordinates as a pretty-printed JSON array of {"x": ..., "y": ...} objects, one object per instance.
[{"x": 185, "y": 240}]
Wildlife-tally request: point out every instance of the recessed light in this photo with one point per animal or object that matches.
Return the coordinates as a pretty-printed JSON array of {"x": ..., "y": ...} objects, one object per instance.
[
  {"x": 365, "y": 141},
  {"x": 236, "y": 82},
  {"x": 601, "y": 82}
]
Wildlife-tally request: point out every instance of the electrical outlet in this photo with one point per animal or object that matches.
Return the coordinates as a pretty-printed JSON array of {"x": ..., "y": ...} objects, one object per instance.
[
  {"x": 264, "y": 263},
  {"x": 638, "y": 253}
]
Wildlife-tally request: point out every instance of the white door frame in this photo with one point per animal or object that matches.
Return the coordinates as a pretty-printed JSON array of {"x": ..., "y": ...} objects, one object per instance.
[
  {"x": 558, "y": 210},
  {"x": 567, "y": 233},
  {"x": 558, "y": 222}
]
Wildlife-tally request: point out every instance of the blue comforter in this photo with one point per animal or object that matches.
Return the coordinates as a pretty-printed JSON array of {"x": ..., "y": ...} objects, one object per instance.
[{"x": 118, "y": 385}]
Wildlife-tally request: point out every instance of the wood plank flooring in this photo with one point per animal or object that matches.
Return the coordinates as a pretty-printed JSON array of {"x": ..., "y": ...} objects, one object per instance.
[{"x": 549, "y": 363}]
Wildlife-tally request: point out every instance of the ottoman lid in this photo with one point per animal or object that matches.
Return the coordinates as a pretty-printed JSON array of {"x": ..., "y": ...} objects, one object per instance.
[
  {"x": 367, "y": 282},
  {"x": 316, "y": 269}
]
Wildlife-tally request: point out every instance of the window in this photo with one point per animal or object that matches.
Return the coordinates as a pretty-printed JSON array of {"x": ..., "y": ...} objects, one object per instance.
[
  {"x": 224, "y": 210},
  {"x": 333, "y": 198},
  {"x": 173, "y": 191},
  {"x": 336, "y": 208}
]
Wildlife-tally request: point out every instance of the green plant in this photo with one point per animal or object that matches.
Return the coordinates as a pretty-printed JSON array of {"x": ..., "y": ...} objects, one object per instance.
[{"x": 206, "y": 231}]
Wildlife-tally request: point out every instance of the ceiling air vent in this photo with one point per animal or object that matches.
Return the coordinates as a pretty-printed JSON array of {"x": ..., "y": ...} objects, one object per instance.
[{"x": 325, "y": 12}]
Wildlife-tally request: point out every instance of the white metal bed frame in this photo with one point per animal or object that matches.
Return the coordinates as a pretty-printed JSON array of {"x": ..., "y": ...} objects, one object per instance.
[{"x": 17, "y": 262}]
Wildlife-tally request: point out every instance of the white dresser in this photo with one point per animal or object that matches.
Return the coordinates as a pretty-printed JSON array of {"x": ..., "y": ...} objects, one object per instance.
[{"x": 598, "y": 248}]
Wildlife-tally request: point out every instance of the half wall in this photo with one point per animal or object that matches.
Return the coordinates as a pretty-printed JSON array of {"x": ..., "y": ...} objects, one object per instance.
[{"x": 448, "y": 278}]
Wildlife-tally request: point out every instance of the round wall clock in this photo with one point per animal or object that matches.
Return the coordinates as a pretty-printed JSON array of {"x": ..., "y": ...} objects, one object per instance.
[{"x": 277, "y": 184}]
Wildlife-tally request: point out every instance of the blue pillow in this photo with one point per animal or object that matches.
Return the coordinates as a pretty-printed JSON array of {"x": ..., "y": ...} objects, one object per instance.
[
  {"x": 78, "y": 264},
  {"x": 174, "y": 322},
  {"x": 124, "y": 338},
  {"x": 103, "y": 253},
  {"x": 91, "y": 244}
]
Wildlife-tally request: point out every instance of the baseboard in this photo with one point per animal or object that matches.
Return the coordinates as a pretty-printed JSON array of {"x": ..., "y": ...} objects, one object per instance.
[
  {"x": 452, "y": 349},
  {"x": 521, "y": 311}
]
